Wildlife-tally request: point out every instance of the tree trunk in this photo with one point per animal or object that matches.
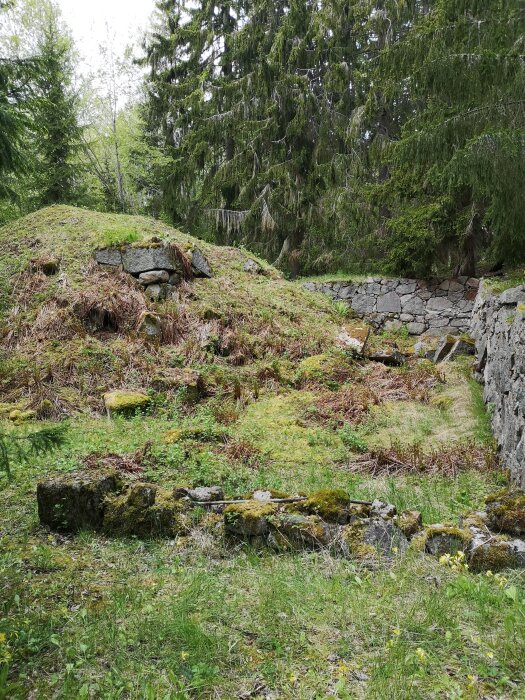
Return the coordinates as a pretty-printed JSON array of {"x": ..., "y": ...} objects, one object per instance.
[{"x": 473, "y": 234}]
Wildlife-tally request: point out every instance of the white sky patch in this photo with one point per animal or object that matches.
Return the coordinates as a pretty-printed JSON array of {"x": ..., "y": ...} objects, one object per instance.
[{"x": 90, "y": 22}]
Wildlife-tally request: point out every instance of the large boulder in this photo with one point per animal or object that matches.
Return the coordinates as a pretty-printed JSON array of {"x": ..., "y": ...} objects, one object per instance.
[
  {"x": 76, "y": 501},
  {"x": 143, "y": 257}
]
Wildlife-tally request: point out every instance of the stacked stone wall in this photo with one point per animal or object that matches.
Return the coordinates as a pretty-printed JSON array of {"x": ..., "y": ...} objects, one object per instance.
[
  {"x": 435, "y": 307},
  {"x": 498, "y": 328}
]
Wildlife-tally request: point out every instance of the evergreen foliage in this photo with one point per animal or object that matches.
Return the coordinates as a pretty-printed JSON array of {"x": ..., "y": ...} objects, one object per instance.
[
  {"x": 20, "y": 448},
  {"x": 315, "y": 132}
]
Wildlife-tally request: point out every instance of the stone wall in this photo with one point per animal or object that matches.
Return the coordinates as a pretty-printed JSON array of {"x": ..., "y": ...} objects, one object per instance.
[
  {"x": 434, "y": 306},
  {"x": 498, "y": 327}
]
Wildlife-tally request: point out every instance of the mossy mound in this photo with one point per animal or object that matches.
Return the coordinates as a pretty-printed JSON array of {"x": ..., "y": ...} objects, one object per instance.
[
  {"x": 506, "y": 511},
  {"x": 329, "y": 369},
  {"x": 144, "y": 510},
  {"x": 332, "y": 505},
  {"x": 125, "y": 403}
]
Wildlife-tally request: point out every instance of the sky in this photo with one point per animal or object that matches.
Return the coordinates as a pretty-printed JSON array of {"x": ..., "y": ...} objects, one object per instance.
[{"x": 89, "y": 19}]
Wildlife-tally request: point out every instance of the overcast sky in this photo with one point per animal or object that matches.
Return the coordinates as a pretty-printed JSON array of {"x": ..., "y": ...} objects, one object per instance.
[{"x": 88, "y": 19}]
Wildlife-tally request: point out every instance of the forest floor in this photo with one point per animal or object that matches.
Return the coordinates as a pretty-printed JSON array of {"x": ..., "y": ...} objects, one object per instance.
[{"x": 87, "y": 616}]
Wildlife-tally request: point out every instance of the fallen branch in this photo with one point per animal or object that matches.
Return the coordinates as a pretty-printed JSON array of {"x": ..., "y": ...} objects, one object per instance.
[{"x": 294, "y": 499}]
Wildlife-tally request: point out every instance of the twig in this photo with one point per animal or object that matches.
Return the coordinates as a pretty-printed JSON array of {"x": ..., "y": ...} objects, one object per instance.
[{"x": 295, "y": 499}]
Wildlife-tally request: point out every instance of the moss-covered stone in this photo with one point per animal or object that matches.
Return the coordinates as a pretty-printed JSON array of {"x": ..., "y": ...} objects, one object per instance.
[
  {"x": 290, "y": 532},
  {"x": 18, "y": 416},
  {"x": 332, "y": 505},
  {"x": 144, "y": 510},
  {"x": 329, "y": 369},
  {"x": 369, "y": 538},
  {"x": 506, "y": 511},
  {"x": 125, "y": 403},
  {"x": 76, "y": 501},
  {"x": 442, "y": 539},
  {"x": 410, "y": 522},
  {"x": 250, "y": 519},
  {"x": 491, "y": 554}
]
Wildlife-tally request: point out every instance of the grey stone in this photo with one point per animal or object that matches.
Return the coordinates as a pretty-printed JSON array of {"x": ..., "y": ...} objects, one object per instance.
[
  {"x": 384, "y": 536},
  {"x": 438, "y": 304},
  {"x": 150, "y": 325},
  {"x": 200, "y": 264},
  {"x": 416, "y": 328},
  {"x": 444, "y": 347},
  {"x": 154, "y": 276},
  {"x": 512, "y": 297},
  {"x": 108, "y": 256},
  {"x": 253, "y": 267},
  {"x": 390, "y": 303},
  {"x": 154, "y": 292},
  {"x": 137, "y": 259},
  {"x": 382, "y": 509},
  {"x": 205, "y": 494}
]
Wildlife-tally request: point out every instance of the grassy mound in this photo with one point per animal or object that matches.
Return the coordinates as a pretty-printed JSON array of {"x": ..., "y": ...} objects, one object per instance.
[{"x": 70, "y": 330}]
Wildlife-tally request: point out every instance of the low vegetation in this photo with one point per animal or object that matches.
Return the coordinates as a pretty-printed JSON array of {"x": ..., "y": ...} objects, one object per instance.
[{"x": 253, "y": 391}]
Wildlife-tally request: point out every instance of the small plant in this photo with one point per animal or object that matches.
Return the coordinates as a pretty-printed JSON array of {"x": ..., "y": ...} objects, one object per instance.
[
  {"x": 20, "y": 448},
  {"x": 341, "y": 309},
  {"x": 352, "y": 439}
]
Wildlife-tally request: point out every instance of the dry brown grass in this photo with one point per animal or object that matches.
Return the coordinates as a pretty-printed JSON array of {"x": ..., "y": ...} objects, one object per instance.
[
  {"x": 127, "y": 464},
  {"x": 349, "y": 404},
  {"x": 108, "y": 301},
  {"x": 445, "y": 461},
  {"x": 411, "y": 383}
]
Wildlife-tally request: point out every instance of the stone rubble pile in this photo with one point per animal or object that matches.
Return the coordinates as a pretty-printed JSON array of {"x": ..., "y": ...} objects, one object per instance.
[
  {"x": 435, "y": 307},
  {"x": 329, "y": 519},
  {"x": 159, "y": 267}
]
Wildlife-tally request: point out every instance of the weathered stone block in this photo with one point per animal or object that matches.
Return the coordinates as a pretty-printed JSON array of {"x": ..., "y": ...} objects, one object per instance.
[{"x": 75, "y": 502}]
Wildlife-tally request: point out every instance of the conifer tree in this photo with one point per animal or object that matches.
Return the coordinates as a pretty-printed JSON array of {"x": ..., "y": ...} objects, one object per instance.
[
  {"x": 458, "y": 169},
  {"x": 54, "y": 115}
]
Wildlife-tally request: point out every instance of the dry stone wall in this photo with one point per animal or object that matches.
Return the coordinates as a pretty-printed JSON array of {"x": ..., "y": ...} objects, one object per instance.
[
  {"x": 434, "y": 306},
  {"x": 498, "y": 328}
]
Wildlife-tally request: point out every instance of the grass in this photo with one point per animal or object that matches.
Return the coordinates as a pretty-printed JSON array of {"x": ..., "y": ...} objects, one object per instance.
[{"x": 195, "y": 617}]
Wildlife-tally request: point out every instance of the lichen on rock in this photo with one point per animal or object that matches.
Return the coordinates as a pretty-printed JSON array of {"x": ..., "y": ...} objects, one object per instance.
[
  {"x": 333, "y": 505},
  {"x": 249, "y": 519},
  {"x": 144, "y": 510}
]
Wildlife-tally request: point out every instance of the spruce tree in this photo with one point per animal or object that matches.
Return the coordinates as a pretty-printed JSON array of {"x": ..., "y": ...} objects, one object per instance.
[
  {"x": 458, "y": 169},
  {"x": 54, "y": 115}
]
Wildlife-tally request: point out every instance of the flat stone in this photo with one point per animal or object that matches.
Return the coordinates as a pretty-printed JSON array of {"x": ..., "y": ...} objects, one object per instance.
[
  {"x": 390, "y": 303},
  {"x": 438, "y": 304},
  {"x": 444, "y": 347},
  {"x": 388, "y": 357},
  {"x": 137, "y": 259},
  {"x": 416, "y": 328},
  {"x": 206, "y": 493},
  {"x": 154, "y": 276}
]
